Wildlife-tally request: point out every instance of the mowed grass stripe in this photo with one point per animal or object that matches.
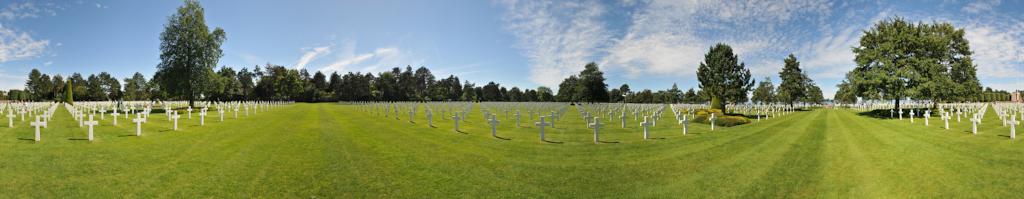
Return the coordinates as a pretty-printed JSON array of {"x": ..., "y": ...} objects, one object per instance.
[{"x": 332, "y": 150}]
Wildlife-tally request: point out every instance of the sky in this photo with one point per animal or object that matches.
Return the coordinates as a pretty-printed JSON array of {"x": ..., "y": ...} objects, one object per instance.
[{"x": 648, "y": 44}]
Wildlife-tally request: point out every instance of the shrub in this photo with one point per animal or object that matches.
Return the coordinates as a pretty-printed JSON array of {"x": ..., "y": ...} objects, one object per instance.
[{"x": 721, "y": 118}]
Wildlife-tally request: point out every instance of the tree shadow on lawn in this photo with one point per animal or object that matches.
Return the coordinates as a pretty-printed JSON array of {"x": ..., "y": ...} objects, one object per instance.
[{"x": 884, "y": 113}]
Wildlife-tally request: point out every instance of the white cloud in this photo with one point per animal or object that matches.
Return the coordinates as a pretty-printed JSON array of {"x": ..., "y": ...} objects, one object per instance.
[
  {"x": 998, "y": 51},
  {"x": 979, "y": 6},
  {"x": 558, "y": 37},
  {"x": 831, "y": 56},
  {"x": 310, "y": 55},
  {"x": 48, "y": 63},
  {"x": 15, "y": 45},
  {"x": 380, "y": 58},
  {"x": 671, "y": 37},
  {"x": 24, "y": 10}
]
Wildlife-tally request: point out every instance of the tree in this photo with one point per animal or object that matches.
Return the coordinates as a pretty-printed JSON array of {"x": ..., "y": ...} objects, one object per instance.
[
  {"x": 591, "y": 86},
  {"x": 814, "y": 95},
  {"x": 846, "y": 94},
  {"x": 69, "y": 97},
  {"x": 567, "y": 91},
  {"x": 188, "y": 52},
  {"x": 135, "y": 87},
  {"x": 794, "y": 82},
  {"x": 723, "y": 77},
  {"x": 765, "y": 92},
  {"x": 544, "y": 94},
  {"x": 897, "y": 59}
]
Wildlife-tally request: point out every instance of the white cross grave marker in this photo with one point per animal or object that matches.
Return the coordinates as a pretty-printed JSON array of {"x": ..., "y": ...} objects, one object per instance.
[
  {"x": 597, "y": 129},
  {"x": 37, "y": 124},
  {"x": 138, "y": 124},
  {"x": 494, "y": 125},
  {"x": 202, "y": 118},
  {"x": 175, "y": 117},
  {"x": 974, "y": 124},
  {"x": 456, "y": 118},
  {"x": 91, "y": 123},
  {"x": 541, "y": 125},
  {"x": 645, "y": 124}
]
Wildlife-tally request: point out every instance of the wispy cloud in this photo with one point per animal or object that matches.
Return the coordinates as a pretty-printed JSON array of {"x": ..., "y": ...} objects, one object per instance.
[
  {"x": 310, "y": 55},
  {"x": 379, "y": 59},
  {"x": 15, "y": 11},
  {"x": 558, "y": 37},
  {"x": 16, "y": 45},
  {"x": 999, "y": 52},
  {"x": 979, "y": 6}
]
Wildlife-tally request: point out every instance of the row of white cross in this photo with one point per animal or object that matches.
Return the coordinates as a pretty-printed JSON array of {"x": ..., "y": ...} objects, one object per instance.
[
  {"x": 79, "y": 113},
  {"x": 457, "y": 112}
]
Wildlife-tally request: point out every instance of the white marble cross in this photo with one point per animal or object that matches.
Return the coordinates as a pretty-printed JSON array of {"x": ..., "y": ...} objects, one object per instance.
[
  {"x": 138, "y": 124},
  {"x": 189, "y": 112},
  {"x": 945, "y": 118},
  {"x": 645, "y": 124},
  {"x": 37, "y": 124},
  {"x": 494, "y": 125},
  {"x": 685, "y": 122},
  {"x": 202, "y": 118},
  {"x": 517, "y": 118},
  {"x": 541, "y": 125},
  {"x": 912, "y": 116},
  {"x": 221, "y": 112},
  {"x": 91, "y": 123},
  {"x": 901, "y": 114},
  {"x": 115, "y": 115},
  {"x": 597, "y": 129},
  {"x": 1013, "y": 128},
  {"x": 456, "y": 118},
  {"x": 974, "y": 124},
  {"x": 623, "y": 118},
  {"x": 927, "y": 115},
  {"x": 10, "y": 119},
  {"x": 175, "y": 117},
  {"x": 712, "y": 119},
  {"x": 430, "y": 118}
]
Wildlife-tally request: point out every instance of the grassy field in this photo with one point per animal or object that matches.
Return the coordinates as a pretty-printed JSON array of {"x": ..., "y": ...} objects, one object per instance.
[{"x": 335, "y": 151}]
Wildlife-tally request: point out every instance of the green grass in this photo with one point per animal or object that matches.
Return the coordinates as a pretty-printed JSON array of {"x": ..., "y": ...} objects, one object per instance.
[{"x": 335, "y": 151}]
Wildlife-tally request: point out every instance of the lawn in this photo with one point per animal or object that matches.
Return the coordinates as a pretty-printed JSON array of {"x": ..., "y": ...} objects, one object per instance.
[{"x": 337, "y": 151}]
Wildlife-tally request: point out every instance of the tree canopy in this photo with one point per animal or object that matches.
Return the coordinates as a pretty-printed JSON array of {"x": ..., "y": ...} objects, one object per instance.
[
  {"x": 724, "y": 77},
  {"x": 188, "y": 52},
  {"x": 897, "y": 59}
]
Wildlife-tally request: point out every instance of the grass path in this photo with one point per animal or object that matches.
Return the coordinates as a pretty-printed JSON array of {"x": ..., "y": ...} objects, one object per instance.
[{"x": 331, "y": 150}]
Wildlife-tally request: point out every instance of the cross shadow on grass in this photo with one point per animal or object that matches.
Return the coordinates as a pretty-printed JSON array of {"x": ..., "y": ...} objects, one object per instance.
[
  {"x": 128, "y": 135},
  {"x": 552, "y": 142},
  {"x": 502, "y": 138},
  {"x": 78, "y": 139},
  {"x": 27, "y": 139},
  {"x": 608, "y": 142}
]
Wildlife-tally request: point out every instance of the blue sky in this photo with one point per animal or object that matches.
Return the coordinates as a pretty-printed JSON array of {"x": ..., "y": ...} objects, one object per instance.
[{"x": 647, "y": 44}]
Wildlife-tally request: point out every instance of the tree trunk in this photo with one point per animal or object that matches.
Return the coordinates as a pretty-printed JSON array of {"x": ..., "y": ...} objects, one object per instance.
[{"x": 897, "y": 104}]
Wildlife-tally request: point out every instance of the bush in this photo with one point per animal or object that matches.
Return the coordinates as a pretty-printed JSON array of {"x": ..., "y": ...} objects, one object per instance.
[{"x": 721, "y": 119}]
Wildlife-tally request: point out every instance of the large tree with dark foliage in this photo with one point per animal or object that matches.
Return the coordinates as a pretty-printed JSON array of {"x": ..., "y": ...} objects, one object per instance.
[
  {"x": 897, "y": 59},
  {"x": 794, "y": 82},
  {"x": 188, "y": 52},
  {"x": 723, "y": 76}
]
